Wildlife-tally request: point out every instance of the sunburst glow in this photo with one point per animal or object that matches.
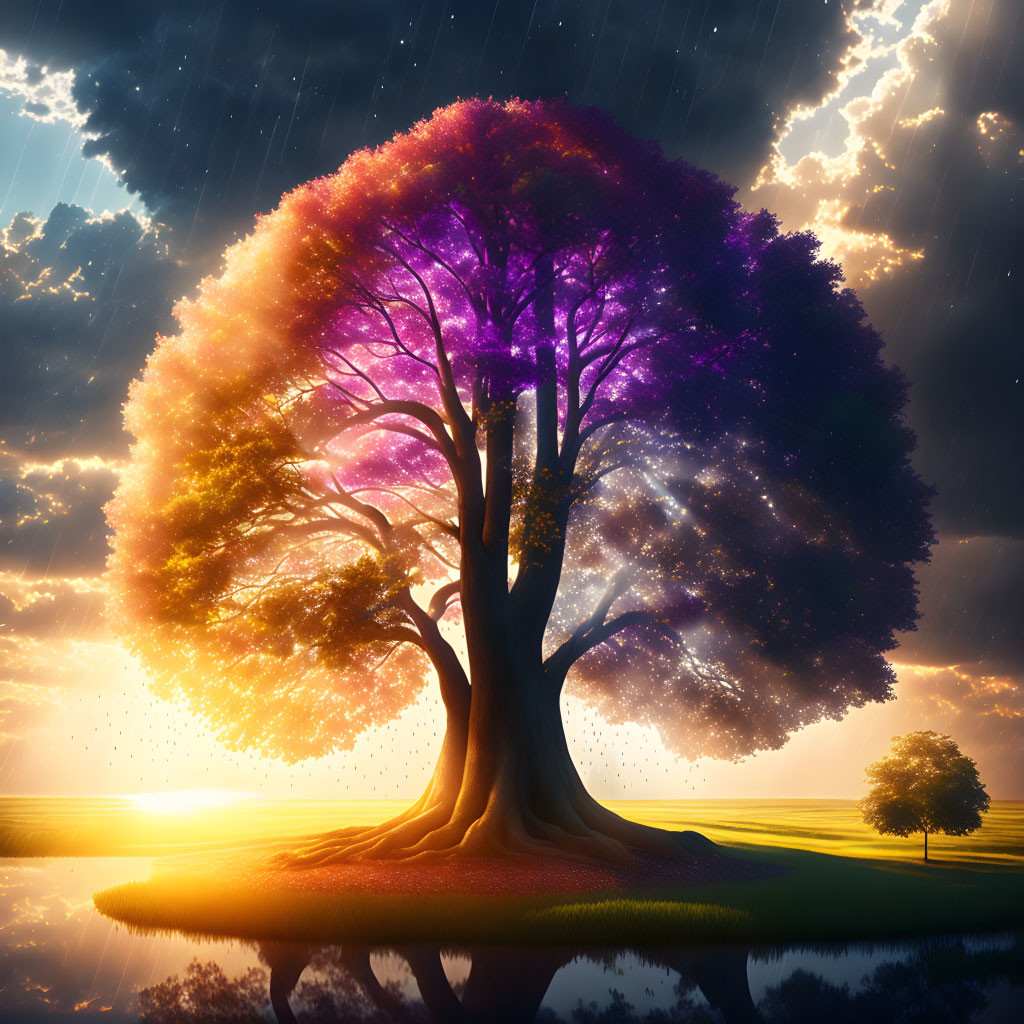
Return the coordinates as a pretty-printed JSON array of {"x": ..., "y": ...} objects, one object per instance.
[{"x": 185, "y": 801}]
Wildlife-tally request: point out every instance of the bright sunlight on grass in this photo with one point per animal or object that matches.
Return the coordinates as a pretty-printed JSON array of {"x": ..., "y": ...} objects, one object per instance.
[
  {"x": 138, "y": 826},
  {"x": 183, "y": 801}
]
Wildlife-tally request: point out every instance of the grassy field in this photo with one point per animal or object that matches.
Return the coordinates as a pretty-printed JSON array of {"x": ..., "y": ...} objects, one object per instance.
[
  {"x": 82, "y": 827},
  {"x": 832, "y": 826},
  {"x": 835, "y": 879},
  {"x": 814, "y": 897}
]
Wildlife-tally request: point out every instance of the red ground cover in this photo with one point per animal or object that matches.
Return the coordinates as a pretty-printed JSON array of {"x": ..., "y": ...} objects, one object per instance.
[{"x": 493, "y": 876}]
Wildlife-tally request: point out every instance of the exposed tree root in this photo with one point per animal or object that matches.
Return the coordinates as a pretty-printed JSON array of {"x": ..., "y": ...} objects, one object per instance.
[
  {"x": 510, "y": 792},
  {"x": 587, "y": 834}
]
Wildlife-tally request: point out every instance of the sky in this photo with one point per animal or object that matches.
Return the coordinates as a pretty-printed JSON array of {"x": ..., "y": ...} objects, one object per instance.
[{"x": 138, "y": 140}]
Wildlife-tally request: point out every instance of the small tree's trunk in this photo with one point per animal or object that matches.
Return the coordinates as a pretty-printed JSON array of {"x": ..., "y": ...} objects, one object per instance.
[{"x": 925, "y": 844}]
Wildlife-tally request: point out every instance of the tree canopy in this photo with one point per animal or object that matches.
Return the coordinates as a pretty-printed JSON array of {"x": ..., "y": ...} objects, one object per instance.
[
  {"x": 519, "y": 334},
  {"x": 924, "y": 784}
]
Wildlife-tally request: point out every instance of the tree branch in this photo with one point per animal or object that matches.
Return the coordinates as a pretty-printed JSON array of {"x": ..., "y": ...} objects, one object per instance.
[
  {"x": 455, "y": 689},
  {"x": 430, "y": 418},
  {"x": 449, "y": 392},
  {"x": 559, "y": 663},
  {"x": 335, "y": 525},
  {"x": 439, "y": 602}
]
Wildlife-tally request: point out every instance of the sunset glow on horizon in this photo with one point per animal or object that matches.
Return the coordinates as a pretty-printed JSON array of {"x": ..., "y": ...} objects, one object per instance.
[{"x": 184, "y": 801}]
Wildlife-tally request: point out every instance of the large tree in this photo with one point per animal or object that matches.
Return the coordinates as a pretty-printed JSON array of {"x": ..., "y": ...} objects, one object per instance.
[{"x": 510, "y": 402}]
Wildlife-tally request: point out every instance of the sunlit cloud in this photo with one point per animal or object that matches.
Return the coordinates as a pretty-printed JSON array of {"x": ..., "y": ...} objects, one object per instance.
[
  {"x": 960, "y": 693},
  {"x": 45, "y": 94},
  {"x": 23, "y": 594},
  {"x": 1000, "y": 138},
  {"x": 862, "y": 119},
  {"x": 50, "y": 514}
]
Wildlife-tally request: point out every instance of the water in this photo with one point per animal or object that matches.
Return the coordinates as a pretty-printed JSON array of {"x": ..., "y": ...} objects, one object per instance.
[{"x": 62, "y": 961}]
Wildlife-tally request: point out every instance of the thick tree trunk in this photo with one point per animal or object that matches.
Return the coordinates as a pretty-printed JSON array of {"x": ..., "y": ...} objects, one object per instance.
[
  {"x": 508, "y": 985},
  {"x": 286, "y": 961},
  {"x": 521, "y": 792},
  {"x": 505, "y": 785}
]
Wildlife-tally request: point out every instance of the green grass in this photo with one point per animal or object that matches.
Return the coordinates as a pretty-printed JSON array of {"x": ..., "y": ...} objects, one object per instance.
[
  {"x": 84, "y": 827},
  {"x": 835, "y": 879},
  {"x": 832, "y": 826},
  {"x": 447, "y": 920},
  {"x": 605, "y": 921},
  {"x": 824, "y": 897},
  {"x": 812, "y": 897}
]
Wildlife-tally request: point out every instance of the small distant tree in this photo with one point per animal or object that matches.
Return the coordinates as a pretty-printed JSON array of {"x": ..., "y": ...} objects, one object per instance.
[{"x": 924, "y": 785}]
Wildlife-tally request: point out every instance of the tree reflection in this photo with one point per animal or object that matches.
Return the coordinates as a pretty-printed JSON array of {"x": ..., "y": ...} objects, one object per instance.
[
  {"x": 205, "y": 994},
  {"x": 941, "y": 983}
]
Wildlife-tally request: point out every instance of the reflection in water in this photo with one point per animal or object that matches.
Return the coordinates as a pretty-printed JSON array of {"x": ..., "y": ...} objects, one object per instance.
[
  {"x": 942, "y": 982},
  {"x": 60, "y": 961}
]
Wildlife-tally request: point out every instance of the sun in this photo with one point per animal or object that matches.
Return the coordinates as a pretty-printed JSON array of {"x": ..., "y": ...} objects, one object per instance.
[{"x": 181, "y": 801}]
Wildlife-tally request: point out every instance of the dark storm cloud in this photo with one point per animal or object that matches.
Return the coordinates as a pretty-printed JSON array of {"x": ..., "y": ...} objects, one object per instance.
[
  {"x": 972, "y": 607},
  {"x": 940, "y": 171},
  {"x": 81, "y": 299},
  {"x": 960, "y": 344},
  {"x": 210, "y": 111},
  {"x": 954, "y": 187},
  {"x": 51, "y": 518}
]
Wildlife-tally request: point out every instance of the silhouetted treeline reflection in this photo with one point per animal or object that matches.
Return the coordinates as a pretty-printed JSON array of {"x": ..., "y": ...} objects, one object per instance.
[{"x": 943, "y": 981}]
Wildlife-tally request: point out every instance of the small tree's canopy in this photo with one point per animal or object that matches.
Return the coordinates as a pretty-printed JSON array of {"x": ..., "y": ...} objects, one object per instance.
[
  {"x": 924, "y": 784},
  {"x": 708, "y": 451}
]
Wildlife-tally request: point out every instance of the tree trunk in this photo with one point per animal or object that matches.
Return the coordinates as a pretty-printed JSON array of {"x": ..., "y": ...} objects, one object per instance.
[
  {"x": 508, "y": 985},
  {"x": 286, "y": 961},
  {"x": 509, "y": 788},
  {"x": 722, "y": 977},
  {"x": 926, "y": 844},
  {"x": 505, "y": 784}
]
